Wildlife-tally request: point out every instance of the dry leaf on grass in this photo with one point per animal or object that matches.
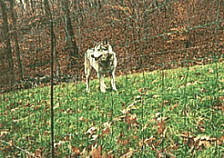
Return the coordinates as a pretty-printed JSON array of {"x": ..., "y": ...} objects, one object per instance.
[
  {"x": 131, "y": 119},
  {"x": 128, "y": 154},
  {"x": 96, "y": 152},
  {"x": 76, "y": 151},
  {"x": 198, "y": 142}
]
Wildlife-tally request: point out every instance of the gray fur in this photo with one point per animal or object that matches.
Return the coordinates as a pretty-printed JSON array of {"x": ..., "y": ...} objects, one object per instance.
[{"x": 103, "y": 60}]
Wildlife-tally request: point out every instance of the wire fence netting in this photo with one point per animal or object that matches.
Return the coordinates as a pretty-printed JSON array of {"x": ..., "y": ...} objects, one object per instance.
[{"x": 169, "y": 76}]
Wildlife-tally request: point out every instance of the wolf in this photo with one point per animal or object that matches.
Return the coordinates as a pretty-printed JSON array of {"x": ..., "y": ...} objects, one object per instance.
[{"x": 103, "y": 59}]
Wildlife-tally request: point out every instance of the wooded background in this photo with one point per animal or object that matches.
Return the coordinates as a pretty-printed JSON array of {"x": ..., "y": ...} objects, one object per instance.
[{"x": 146, "y": 35}]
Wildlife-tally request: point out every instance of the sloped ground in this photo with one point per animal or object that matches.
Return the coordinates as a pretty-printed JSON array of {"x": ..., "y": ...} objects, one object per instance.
[
  {"x": 171, "y": 113},
  {"x": 144, "y": 34}
]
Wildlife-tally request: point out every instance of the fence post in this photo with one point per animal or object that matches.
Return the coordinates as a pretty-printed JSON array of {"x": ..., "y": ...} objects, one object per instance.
[{"x": 52, "y": 88}]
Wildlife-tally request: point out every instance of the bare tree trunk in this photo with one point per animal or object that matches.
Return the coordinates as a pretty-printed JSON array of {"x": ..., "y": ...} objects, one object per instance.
[
  {"x": 41, "y": 6},
  {"x": 31, "y": 3},
  {"x": 57, "y": 65},
  {"x": 21, "y": 2},
  {"x": 8, "y": 43},
  {"x": 27, "y": 5},
  {"x": 21, "y": 74},
  {"x": 71, "y": 36},
  {"x": 3, "y": 58}
]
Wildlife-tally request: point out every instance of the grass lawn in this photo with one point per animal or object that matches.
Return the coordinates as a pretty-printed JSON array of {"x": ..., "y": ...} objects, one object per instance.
[{"x": 175, "y": 113}]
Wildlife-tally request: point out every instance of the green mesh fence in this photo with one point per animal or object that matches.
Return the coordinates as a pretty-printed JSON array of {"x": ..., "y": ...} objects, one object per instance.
[{"x": 170, "y": 78}]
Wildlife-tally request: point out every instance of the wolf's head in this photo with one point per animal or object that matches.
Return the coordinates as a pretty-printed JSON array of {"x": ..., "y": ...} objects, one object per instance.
[{"x": 106, "y": 56}]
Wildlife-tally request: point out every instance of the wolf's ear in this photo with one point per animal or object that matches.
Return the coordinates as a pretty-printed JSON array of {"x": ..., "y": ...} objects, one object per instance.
[
  {"x": 96, "y": 58},
  {"x": 106, "y": 41}
]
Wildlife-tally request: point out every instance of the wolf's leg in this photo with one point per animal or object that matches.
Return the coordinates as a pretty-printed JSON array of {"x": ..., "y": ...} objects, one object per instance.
[
  {"x": 87, "y": 73},
  {"x": 101, "y": 81},
  {"x": 113, "y": 80}
]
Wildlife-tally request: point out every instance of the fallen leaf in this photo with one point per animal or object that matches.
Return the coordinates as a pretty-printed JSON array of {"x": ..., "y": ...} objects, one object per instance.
[
  {"x": 221, "y": 140},
  {"x": 165, "y": 154},
  {"x": 37, "y": 153},
  {"x": 125, "y": 111},
  {"x": 210, "y": 70},
  {"x": 106, "y": 131},
  {"x": 84, "y": 153},
  {"x": 76, "y": 151},
  {"x": 137, "y": 98},
  {"x": 55, "y": 107},
  {"x": 46, "y": 133},
  {"x": 128, "y": 154},
  {"x": 200, "y": 124},
  {"x": 124, "y": 142},
  {"x": 3, "y": 133},
  {"x": 92, "y": 130},
  {"x": 156, "y": 96},
  {"x": 11, "y": 143},
  {"x": 94, "y": 137},
  {"x": 81, "y": 118},
  {"x": 199, "y": 142},
  {"x": 149, "y": 141},
  {"x": 160, "y": 127},
  {"x": 96, "y": 152},
  {"x": 174, "y": 146},
  {"x": 142, "y": 90},
  {"x": 107, "y": 124},
  {"x": 131, "y": 119},
  {"x": 119, "y": 118},
  {"x": 57, "y": 145},
  {"x": 107, "y": 155},
  {"x": 173, "y": 107}
]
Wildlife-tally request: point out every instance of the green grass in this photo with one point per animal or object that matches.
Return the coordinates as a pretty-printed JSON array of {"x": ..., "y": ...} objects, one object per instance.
[{"x": 190, "y": 102}]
